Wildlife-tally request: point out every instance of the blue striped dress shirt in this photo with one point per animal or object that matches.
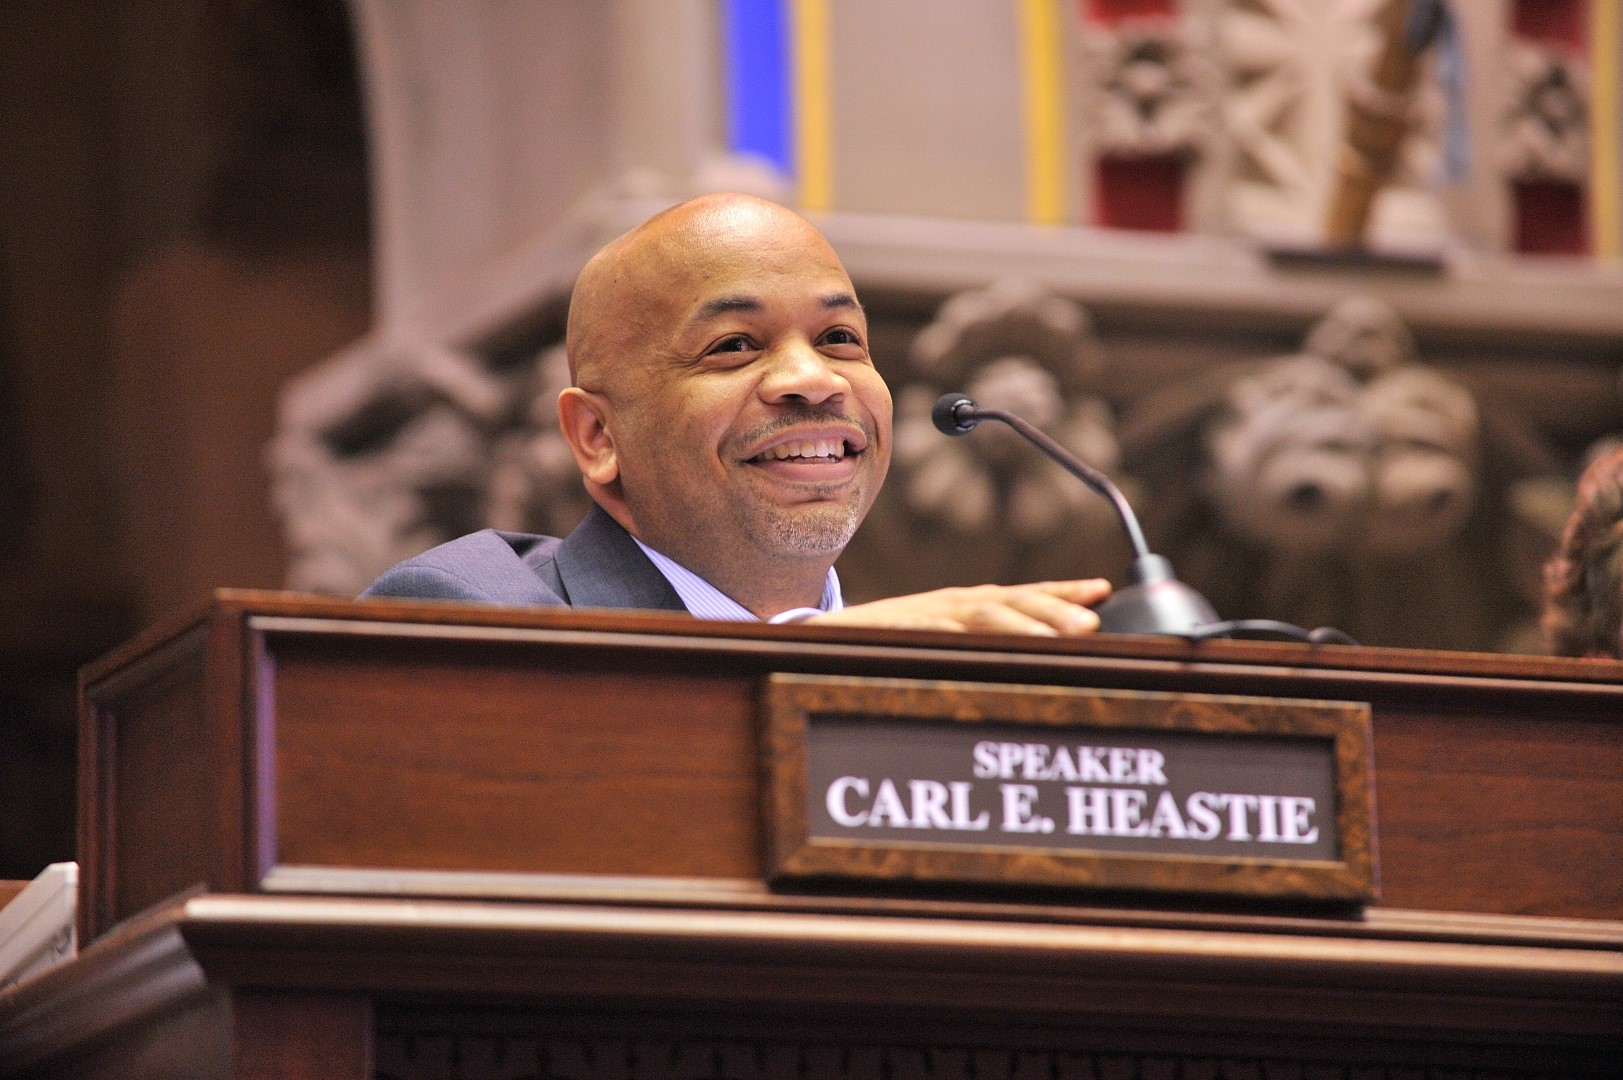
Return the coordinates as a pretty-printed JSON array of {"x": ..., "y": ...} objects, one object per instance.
[{"x": 704, "y": 601}]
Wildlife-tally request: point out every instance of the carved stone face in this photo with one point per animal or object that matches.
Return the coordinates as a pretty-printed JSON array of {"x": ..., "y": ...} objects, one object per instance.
[
  {"x": 1018, "y": 385},
  {"x": 1423, "y": 472},
  {"x": 1288, "y": 461},
  {"x": 1018, "y": 346},
  {"x": 1306, "y": 460},
  {"x": 1363, "y": 335}
]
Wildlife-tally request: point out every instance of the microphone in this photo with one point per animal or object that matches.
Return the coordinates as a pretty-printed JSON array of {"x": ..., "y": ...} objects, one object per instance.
[{"x": 1153, "y": 601}]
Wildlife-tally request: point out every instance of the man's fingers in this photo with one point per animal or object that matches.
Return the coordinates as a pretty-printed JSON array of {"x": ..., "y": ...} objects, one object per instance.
[
  {"x": 896, "y": 614},
  {"x": 1082, "y": 591},
  {"x": 1045, "y": 609},
  {"x": 999, "y": 614},
  {"x": 1065, "y": 616}
]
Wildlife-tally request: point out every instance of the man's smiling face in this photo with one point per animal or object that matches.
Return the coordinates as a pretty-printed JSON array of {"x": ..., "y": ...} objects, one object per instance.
[{"x": 750, "y": 431}]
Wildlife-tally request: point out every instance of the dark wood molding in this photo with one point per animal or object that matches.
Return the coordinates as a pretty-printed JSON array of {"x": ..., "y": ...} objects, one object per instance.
[
  {"x": 130, "y": 976},
  {"x": 283, "y": 611},
  {"x": 292, "y": 734},
  {"x": 589, "y": 952}
]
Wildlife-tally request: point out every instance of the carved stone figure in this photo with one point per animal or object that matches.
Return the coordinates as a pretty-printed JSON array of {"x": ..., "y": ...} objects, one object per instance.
[
  {"x": 1349, "y": 485},
  {"x": 988, "y": 506},
  {"x": 380, "y": 454},
  {"x": 534, "y": 483}
]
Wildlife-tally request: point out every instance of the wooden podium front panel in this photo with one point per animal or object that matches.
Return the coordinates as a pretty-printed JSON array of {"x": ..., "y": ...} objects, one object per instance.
[
  {"x": 1495, "y": 796},
  {"x": 281, "y": 732},
  {"x": 606, "y": 766},
  {"x": 160, "y": 776},
  {"x": 1514, "y": 814},
  {"x": 421, "y": 755}
]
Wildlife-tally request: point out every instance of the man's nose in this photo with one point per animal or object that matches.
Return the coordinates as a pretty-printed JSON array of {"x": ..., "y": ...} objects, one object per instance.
[{"x": 798, "y": 372}]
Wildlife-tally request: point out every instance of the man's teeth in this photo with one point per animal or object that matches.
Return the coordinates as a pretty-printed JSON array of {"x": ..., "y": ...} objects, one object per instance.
[{"x": 807, "y": 448}]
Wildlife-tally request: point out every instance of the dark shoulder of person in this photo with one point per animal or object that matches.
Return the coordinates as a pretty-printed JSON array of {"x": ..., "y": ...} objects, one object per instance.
[{"x": 488, "y": 567}]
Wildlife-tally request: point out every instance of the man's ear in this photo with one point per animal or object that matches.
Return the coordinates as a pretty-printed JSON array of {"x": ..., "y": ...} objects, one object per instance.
[{"x": 583, "y": 417}]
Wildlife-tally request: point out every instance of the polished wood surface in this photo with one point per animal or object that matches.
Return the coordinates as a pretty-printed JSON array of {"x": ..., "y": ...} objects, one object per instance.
[
  {"x": 415, "y": 737},
  {"x": 344, "y": 839}
]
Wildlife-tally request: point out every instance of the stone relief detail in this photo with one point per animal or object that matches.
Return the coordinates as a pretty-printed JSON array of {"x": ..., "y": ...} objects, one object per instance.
[
  {"x": 1015, "y": 347},
  {"x": 379, "y": 454},
  {"x": 1291, "y": 67},
  {"x": 534, "y": 484},
  {"x": 1154, "y": 90},
  {"x": 988, "y": 507},
  {"x": 1309, "y": 458},
  {"x": 1348, "y": 485},
  {"x": 1544, "y": 130}
]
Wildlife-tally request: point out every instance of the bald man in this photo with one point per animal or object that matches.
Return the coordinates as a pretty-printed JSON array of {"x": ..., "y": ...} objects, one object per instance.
[{"x": 732, "y": 432}]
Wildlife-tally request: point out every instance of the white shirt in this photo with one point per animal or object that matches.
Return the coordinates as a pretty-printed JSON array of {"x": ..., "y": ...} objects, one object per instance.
[{"x": 704, "y": 601}]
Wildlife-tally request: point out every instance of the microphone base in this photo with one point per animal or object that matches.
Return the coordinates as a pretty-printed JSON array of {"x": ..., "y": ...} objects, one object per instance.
[{"x": 1154, "y": 602}]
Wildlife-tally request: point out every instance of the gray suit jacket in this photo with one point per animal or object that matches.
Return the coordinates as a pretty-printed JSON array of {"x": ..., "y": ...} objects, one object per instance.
[{"x": 598, "y": 565}]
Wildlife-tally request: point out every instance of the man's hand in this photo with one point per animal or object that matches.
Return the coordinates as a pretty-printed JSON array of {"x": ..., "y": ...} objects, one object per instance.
[{"x": 1044, "y": 608}]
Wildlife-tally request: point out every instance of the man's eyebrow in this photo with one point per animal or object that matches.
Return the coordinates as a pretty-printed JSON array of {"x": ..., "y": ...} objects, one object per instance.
[
  {"x": 725, "y": 305},
  {"x": 728, "y": 305}
]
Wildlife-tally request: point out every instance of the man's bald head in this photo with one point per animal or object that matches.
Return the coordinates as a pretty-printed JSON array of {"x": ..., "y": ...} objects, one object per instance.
[
  {"x": 632, "y": 290},
  {"x": 725, "y": 408}
]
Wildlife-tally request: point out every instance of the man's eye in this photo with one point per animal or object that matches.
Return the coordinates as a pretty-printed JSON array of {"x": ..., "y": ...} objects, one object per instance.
[
  {"x": 841, "y": 336},
  {"x": 736, "y": 343}
]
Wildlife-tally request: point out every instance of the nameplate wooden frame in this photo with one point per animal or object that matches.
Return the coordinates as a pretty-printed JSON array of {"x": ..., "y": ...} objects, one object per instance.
[{"x": 1130, "y": 791}]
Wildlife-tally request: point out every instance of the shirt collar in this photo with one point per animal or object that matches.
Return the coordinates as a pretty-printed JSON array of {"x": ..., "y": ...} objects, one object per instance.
[{"x": 704, "y": 601}]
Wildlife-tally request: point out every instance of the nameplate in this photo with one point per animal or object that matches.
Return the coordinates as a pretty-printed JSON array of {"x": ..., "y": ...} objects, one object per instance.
[{"x": 1131, "y": 791}]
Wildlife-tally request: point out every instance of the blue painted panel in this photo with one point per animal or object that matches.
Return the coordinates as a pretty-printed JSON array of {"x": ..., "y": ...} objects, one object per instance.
[{"x": 758, "y": 92}]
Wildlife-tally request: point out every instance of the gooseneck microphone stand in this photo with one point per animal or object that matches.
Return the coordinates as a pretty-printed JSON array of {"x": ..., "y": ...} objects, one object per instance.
[{"x": 1153, "y": 601}]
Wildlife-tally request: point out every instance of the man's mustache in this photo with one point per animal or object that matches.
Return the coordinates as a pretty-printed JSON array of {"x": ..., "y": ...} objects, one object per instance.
[{"x": 802, "y": 416}]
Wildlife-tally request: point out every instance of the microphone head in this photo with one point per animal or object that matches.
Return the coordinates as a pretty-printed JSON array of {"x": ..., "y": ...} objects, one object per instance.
[{"x": 953, "y": 414}]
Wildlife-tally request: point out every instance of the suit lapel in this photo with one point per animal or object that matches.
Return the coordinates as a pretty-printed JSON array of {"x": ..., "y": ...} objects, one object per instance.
[{"x": 601, "y": 566}]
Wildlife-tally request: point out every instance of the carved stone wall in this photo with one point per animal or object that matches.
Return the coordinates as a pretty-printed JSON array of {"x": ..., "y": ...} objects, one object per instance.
[
  {"x": 440, "y": 420},
  {"x": 1349, "y": 483}
]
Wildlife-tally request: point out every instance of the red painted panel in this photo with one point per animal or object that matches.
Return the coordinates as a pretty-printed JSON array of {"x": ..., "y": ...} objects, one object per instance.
[
  {"x": 1551, "y": 217},
  {"x": 1115, "y": 11},
  {"x": 1562, "y": 21},
  {"x": 1144, "y": 193}
]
